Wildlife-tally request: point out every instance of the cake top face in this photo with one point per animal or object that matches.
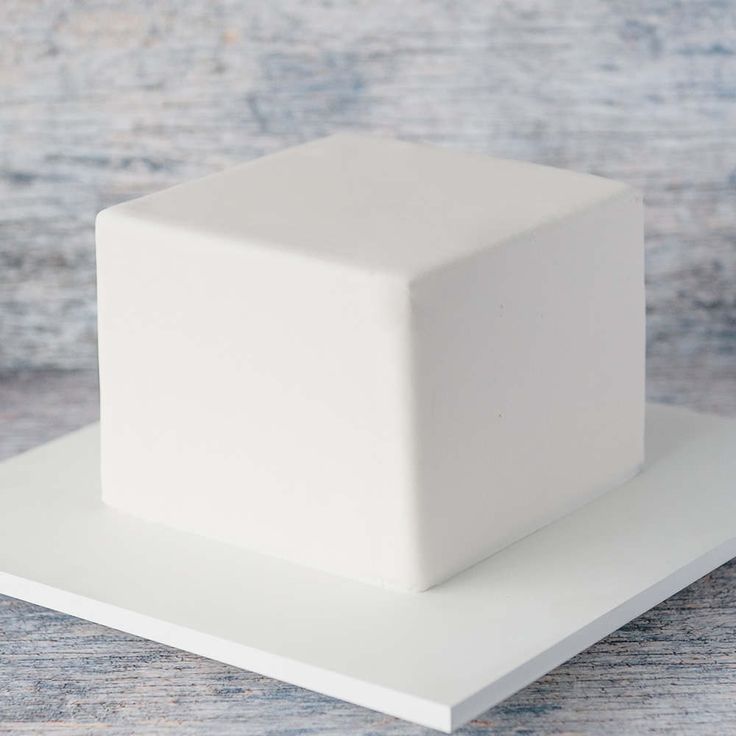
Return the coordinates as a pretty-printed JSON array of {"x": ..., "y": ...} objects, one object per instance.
[{"x": 375, "y": 204}]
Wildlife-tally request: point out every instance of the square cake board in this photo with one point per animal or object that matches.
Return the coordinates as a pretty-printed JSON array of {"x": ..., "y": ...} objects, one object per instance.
[{"x": 437, "y": 658}]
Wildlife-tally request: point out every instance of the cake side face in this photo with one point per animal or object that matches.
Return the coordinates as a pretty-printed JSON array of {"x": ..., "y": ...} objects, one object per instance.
[
  {"x": 338, "y": 356},
  {"x": 541, "y": 408},
  {"x": 257, "y": 399}
]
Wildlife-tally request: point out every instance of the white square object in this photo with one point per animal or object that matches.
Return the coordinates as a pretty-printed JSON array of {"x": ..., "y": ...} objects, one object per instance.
[{"x": 378, "y": 359}]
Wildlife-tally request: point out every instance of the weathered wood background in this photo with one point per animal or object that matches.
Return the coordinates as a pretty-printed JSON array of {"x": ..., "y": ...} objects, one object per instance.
[
  {"x": 103, "y": 100},
  {"x": 106, "y": 99}
]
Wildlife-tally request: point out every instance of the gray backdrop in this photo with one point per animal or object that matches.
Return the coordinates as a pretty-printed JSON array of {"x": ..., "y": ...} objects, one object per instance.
[{"x": 101, "y": 101}]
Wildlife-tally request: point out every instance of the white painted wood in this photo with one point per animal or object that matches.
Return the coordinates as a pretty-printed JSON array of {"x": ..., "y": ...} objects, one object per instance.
[{"x": 437, "y": 658}]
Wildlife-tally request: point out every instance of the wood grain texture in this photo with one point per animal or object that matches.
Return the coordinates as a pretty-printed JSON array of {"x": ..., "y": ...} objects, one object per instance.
[
  {"x": 672, "y": 670},
  {"x": 105, "y": 100}
]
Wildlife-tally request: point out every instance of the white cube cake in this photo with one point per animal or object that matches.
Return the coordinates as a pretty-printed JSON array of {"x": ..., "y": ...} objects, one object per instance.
[{"x": 379, "y": 359}]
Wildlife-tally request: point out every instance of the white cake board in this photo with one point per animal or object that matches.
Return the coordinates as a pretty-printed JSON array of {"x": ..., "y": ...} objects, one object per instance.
[{"x": 438, "y": 658}]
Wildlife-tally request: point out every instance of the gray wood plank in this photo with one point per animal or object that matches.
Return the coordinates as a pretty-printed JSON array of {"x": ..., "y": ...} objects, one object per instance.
[{"x": 102, "y": 101}]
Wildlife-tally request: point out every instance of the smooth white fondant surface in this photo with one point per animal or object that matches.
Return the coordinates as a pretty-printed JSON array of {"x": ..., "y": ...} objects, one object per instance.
[
  {"x": 374, "y": 358},
  {"x": 377, "y": 205},
  {"x": 438, "y": 658}
]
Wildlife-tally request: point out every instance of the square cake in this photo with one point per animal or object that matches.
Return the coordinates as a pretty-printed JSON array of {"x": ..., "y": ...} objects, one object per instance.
[{"x": 380, "y": 359}]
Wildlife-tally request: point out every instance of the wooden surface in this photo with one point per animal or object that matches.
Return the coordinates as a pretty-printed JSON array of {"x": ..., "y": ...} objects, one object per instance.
[
  {"x": 105, "y": 100},
  {"x": 673, "y": 670}
]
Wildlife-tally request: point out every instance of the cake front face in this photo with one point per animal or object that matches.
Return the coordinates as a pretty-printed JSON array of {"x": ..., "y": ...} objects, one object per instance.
[{"x": 378, "y": 359}]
